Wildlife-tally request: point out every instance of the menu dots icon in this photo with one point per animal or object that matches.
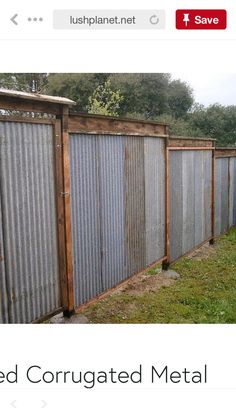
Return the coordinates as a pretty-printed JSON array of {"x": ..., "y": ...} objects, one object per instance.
[{"x": 35, "y": 19}]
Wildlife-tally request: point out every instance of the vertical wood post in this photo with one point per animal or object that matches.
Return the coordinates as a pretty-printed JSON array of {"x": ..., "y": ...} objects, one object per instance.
[
  {"x": 65, "y": 196},
  {"x": 166, "y": 263},
  {"x": 60, "y": 213},
  {"x": 229, "y": 181},
  {"x": 213, "y": 168}
]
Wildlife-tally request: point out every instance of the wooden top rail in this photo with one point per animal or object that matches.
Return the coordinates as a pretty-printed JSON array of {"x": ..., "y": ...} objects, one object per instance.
[
  {"x": 97, "y": 124},
  {"x": 190, "y": 142},
  {"x": 33, "y": 102},
  {"x": 225, "y": 152}
]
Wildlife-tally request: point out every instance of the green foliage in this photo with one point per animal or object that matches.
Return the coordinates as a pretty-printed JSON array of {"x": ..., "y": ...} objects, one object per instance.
[
  {"x": 180, "y": 98},
  {"x": 28, "y": 82},
  {"x": 150, "y": 95},
  {"x": 180, "y": 126},
  {"x": 215, "y": 121},
  {"x": 76, "y": 86},
  {"x": 105, "y": 101}
]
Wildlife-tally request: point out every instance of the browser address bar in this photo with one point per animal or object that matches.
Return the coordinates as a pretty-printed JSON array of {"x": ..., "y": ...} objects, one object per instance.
[{"x": 109, "y": 19}]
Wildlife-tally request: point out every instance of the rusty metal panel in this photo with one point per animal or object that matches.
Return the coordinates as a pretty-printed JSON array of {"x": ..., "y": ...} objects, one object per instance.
[
  {"x": 112, "y": 210},
  {"x": 154, "y": 161},
  {"x": 86, "y": 224},
  {"x": 190, "y": 200},
  {"x": 29, "y": 220},
  {"x": 222, "y": 196},
  {"x": 135, "y": 204},
  {"x": 232, "y": 192}
]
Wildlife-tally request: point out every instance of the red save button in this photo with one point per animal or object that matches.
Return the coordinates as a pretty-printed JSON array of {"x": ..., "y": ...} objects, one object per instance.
[{"x": 201, "y": 19}]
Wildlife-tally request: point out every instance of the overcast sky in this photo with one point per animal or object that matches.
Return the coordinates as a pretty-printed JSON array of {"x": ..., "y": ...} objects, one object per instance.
[{"x": 211, "y": 88}]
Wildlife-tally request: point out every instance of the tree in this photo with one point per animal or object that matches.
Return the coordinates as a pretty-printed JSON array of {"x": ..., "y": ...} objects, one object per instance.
[
  {"x": 151, "y": 95},
  {"x": 180, "y": 126},
  {"x": 180, "y": 98},
  {"x": 28, "y": 82},
  {"x": 105, "y": 101},
  {"x": 145, "y": 94},
  {"x": 215, "y": 121},
  {"x": 75, "y": 86}
]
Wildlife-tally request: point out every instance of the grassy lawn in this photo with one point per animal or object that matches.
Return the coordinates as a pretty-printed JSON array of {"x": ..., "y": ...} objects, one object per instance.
[{"x": 206, "y": 293}]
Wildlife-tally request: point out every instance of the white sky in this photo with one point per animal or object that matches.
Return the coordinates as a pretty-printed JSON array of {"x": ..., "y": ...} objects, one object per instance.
[{"x": 211, "y": 88}]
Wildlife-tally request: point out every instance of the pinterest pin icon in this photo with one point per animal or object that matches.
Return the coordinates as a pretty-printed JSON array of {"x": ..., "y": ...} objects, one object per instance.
[{"x": 186, "y": 19}]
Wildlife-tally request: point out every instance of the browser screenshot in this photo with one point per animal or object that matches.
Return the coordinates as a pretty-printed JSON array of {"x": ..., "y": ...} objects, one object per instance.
[{"x": 118, "y": 209}]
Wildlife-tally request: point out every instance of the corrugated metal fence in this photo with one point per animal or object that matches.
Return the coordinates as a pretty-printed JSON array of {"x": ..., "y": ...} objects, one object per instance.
[
  {"x": 28, "y": 226},
  {"x": 225, "y": 202},
  {"x": 118, "y": 209},
  {"x": 128, "y": 193},
  {"x": 190, "y": 200}
]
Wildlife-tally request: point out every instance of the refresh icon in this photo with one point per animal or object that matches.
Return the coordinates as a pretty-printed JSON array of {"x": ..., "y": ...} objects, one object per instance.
[{"x": 154, "y": 20}]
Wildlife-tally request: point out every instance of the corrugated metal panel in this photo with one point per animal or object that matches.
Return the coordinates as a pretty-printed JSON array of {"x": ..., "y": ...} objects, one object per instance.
[
  {"x": 188, "y": 208},
  {"x": 112, "y": 210},
  {"x": 222, "y": 196},
  {"x": 190, "y": 200},
  {"x": 154, "y": 160},
  {"x": 176, "y": 202},
  {"x": 207, "y": 190},
  {"x": 3, "y": 290},
  {"x": 232, "y": 192},
  {"x": 135, "y": 204},
  {"x": 29, "y": 220},
  {"x": 111, "y": 239},
  {"x": 86, "y": 226}
]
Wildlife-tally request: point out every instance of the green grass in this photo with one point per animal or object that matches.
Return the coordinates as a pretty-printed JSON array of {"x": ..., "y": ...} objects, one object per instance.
[{"x": 205, "y": 294}]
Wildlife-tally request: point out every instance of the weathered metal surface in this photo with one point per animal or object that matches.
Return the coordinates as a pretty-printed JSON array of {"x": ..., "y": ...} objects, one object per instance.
[
  {"x": 86, "y": 228},
  {"x": 190, "y": 200},
  {"x": 117, "y": 215},
  {"x": 29, "y": 220},
  {"x": 154, "y": 161},
  {"x": 112, "y": 210},
  {"x": 232, "y": 192},
  {"x": 135, "y": 204},
  {"x": 222, "y": 196}
]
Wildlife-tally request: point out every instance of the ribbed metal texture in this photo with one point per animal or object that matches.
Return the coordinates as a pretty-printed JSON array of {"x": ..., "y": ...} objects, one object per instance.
[
  {"x": 113, "y": 208},
  {"x": 222, "y": 196},
  {"x": 135, "y": 204},
  {"x": 154, "y": 160},
  {"x": 3, "y": 291},
  {"x": 29, "y": 221},
  {"x": 190, "y": 200},
  {"x": 85, "y": 217},
  {"x": 232, "y": 191}
]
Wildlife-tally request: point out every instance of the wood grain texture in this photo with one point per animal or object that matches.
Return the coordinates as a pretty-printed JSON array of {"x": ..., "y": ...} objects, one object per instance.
[
  {"x": 225, "y": 152},
  {"x": 61, "y": 227},
  {"x": 67, "y": 206},
  {"x": 105, "y": 125}
]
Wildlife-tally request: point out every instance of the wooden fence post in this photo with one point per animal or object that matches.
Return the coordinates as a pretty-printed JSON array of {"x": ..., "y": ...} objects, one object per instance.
[
  {"x": 213, "y": 168},
  {"x": 166, "y": 262},
  {"x": 66, "y": 196}
]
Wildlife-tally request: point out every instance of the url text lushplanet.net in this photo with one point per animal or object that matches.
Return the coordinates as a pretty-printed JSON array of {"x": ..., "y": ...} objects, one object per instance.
[{"x": 98, "y": 20}]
